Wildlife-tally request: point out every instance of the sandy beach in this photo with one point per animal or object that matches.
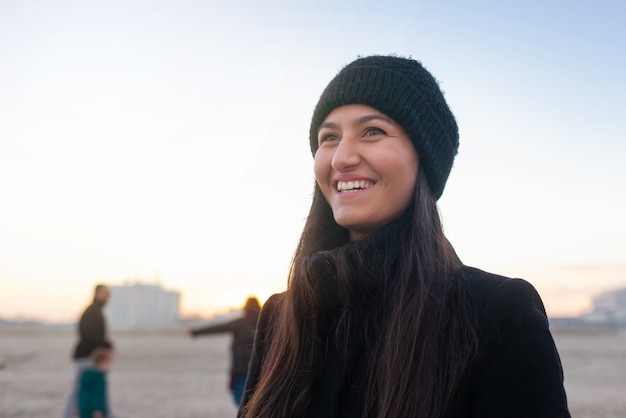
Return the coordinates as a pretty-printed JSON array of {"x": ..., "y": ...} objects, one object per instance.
[{"x": 167, "y": 374}]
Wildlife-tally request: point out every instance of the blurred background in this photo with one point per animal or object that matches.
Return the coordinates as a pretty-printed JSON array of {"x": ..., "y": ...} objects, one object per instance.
[
  {"x": 166, "y": 142},
  {"x": 161, "y": 147}
]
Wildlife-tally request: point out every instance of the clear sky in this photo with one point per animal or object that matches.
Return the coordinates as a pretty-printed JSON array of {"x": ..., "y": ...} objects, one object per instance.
[{"x": 167, "y": 141}]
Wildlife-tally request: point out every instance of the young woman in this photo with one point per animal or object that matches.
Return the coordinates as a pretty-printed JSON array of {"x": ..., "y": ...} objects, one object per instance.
[{"x": 381, "y": 318}]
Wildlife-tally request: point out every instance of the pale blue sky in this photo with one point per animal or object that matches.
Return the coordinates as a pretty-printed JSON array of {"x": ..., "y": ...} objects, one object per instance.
[{"x": 169, "y": 139}]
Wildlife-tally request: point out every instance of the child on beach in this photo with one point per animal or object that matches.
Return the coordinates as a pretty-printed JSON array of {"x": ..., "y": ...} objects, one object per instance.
[{"x": 92, "y": 390}]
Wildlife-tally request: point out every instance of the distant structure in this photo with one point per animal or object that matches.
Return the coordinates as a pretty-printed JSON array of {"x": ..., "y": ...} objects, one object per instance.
[
  {"x": 608, "y": 308},
  {"x": 142, "y": 306}
]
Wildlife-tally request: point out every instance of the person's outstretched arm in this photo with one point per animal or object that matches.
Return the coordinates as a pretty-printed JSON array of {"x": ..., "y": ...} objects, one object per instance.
[{"x": 218, "y": 328}]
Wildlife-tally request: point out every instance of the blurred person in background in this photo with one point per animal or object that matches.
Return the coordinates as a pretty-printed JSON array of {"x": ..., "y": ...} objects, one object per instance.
[
  {"x": 92, "y": 333},
  {"x": 93, "y": 399},
  {"x": 243, "y": 331}
]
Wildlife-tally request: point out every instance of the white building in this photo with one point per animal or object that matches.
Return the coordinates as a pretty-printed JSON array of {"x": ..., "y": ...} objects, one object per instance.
[
  {"x": 140, "y": 305},
  {"x": 608, "y": 308}
]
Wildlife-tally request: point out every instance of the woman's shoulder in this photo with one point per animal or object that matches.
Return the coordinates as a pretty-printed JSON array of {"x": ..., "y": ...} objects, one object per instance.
[
  {"x": 501, "y": 302},
  {"x": 274, "y": 301},
  {"x": 485, "y": 287},
  {"x": 270, "y": 309},
  {"x": 517, "y": 371},
  {"x": 273, "y": 304}
]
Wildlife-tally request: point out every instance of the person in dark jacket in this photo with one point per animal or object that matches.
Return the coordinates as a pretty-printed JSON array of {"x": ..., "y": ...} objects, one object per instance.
[
  {"x": 92, "y": 333},
  {"x": 380, "y": 317},
  {"x": 243, "y": 330}
]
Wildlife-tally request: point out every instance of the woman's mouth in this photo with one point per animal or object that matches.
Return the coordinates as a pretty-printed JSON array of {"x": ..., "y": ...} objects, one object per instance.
[{"x": 353, "y": 186}]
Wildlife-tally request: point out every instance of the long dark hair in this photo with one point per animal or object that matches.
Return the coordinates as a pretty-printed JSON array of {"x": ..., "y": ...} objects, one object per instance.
[{"x": 425, "y": 335}]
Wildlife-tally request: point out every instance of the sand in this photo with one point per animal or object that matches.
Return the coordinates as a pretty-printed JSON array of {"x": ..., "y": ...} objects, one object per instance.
[
  {"x": 154, "y": 374},
  {"x": 167, "y": 374}
]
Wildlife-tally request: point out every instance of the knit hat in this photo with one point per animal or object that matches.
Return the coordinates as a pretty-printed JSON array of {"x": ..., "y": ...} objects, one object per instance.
[{"x": 404, "y": 90}]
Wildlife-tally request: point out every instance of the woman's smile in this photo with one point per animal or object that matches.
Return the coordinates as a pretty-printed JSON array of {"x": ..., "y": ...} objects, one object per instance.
[{"x": 352, "y": 186}]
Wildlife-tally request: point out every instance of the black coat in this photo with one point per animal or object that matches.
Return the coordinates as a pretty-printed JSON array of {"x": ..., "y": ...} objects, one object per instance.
[
  {"x": 92, "y": 331},
  {"x": 516, "y": 374},
  {"x": 243, "y": 330}
]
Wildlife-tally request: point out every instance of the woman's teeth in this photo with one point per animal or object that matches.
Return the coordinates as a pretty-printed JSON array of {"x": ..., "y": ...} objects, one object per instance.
[{"x": 348, "y": 186}]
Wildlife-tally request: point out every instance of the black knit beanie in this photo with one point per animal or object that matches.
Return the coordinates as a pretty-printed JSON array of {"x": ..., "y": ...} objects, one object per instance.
[{"x": 404, "y": 90}]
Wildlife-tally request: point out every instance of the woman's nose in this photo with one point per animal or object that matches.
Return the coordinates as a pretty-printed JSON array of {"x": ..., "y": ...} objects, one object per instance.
[{"x": 346, "y": 155}]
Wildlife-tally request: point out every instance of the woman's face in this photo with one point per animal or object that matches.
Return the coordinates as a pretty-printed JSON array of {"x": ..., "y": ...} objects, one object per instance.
[{"x": 366, "y": 167}]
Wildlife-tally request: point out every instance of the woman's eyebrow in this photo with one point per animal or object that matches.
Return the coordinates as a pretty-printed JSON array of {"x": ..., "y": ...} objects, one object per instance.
[
  {"x": 329, "y": 125},
  {"x": 367, "y": 118},
  {"x": 359, "y": 121}
]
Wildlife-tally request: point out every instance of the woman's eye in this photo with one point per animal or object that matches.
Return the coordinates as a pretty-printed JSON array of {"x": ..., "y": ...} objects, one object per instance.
[
  {"x": 374, "y": 131},
  {"x": 327, "y": 137}
]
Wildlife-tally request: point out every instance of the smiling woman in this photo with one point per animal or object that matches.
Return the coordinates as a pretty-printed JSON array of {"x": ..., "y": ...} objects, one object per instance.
[{"x": 380, "y": 317}]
